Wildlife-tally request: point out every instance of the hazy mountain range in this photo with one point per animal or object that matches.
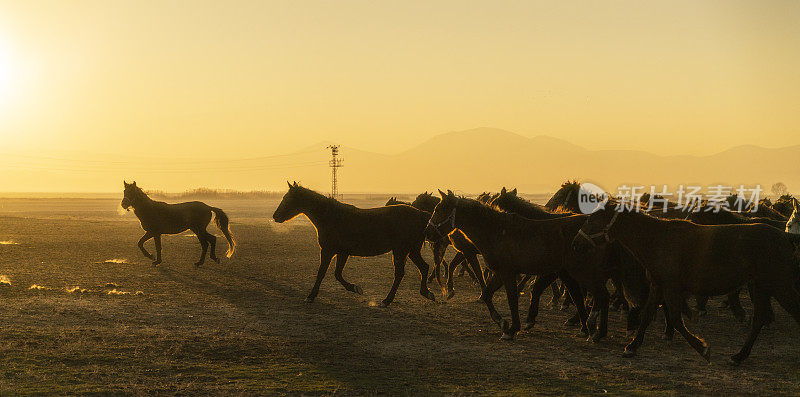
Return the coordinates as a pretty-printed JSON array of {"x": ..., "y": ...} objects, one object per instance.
[
  {"x": 486, "y": 158},
  {"x": 468, "y": 161}
]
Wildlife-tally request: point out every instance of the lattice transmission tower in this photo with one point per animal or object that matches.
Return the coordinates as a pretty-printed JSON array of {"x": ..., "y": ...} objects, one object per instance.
[{"x": 335, "y": 164}]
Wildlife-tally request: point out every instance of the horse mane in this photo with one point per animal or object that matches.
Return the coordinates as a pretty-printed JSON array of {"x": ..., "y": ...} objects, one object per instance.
[
  {"x": 530, "y": 207},
  {"x": 307, "y": 193},
  {"x": 484, "y": 210},
  {"x": 559, "y": 200}
]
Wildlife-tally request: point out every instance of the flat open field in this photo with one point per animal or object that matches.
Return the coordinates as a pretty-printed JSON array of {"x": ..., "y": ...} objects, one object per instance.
[{"x": 242, "y": 327}]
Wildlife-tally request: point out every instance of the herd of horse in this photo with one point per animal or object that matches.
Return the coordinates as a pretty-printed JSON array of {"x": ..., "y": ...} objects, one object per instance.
[{"x": 654, "y": 255}]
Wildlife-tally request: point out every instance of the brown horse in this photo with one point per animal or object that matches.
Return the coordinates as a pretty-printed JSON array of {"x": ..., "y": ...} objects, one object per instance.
[
  {"x": 628, "y": 276},
  {"x": 159, "y": 218},
  {"x": 466, "y": 252},
  {"x": 344, "y": 230},
  {"x": 685, "y": 258},
  {"x": 511, "y": 245}
]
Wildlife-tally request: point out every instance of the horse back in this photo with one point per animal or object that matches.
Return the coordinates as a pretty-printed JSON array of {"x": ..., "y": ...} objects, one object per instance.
[
  {"x": 374, "y": 231},
  {"x": 161, "y": 217}
]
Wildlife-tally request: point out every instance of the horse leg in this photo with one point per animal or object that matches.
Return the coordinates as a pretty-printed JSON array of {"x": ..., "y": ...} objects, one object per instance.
[
  {"x": 341, "y": 259},
  {"x": 399, "y": 260},
  {"x": 761, "y": 308},
  {"x": 601, "y": 300},
  {"x": 212, "y": 239},
  {"x": 566, "y": 298},
  {"x": 474, "y": 269},
  {"x": 735, "y": 304},
  {"x": 574, "y": 290},
  {"x": 512, "y": 294},
  {"x": 645, "y": 317},
  {"x": 523, "y": 283},
  {"x": 633, "y": 319},
  {"x": 556, "y": 295},
  {"x": 669, "y": 325},
  {"x": 492, "y": 285},
  {"x": 459, "y": 258},
  {"x": 324, "y": 261},
  {"x": 673, "y": 301},
  {"x": 157, "y": 240},
  {"x": 540, "y": 283},
  {"x": 201, "y": 235},
  {"x": 147, "y": 236},
  {"x": 423, "y": 267},
  {"x": 438, "y": 258}
]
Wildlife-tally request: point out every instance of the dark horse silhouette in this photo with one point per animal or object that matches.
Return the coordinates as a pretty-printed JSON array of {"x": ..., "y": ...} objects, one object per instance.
[
  {"x": 466, "y": 252},
  {"x": 682, "y": 258},
  {"x": 511, "y": 245},
  {"x": 159, "y": 218},
  {"x": 344, "y": 230}
]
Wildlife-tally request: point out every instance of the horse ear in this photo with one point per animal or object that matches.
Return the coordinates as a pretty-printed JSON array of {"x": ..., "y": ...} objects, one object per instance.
[
  {"x": 441, "y": 193},
  {"x": 124, "y": 183},
  {"x": 450, "y": 193},
  {"x": 503, "y": 190},
  {"x": 295, "y": 183},
  {"x": 289, "y": 183},
  {"x": 134, "y": 183},
  {"x": 514, "y": 192}
]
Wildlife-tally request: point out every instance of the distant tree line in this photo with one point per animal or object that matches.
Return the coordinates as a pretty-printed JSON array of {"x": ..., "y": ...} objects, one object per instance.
[{"x": 208, "y": 193}]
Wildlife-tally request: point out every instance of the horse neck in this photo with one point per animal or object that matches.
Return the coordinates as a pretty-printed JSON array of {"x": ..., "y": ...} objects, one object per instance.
[
  {"x": 628, "y": 230},
  {"x": 530, "y": 210},
  {"x": 318, "y": 210},
  {"x": 480, "y": 229},
  {"x": 144, "y": 202}
]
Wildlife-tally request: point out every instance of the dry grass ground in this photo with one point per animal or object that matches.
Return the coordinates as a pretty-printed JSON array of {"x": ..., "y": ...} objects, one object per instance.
[{"x": 241, "y": 327}]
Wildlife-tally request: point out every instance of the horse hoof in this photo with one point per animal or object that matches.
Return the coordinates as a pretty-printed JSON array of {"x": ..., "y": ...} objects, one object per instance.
[
  {"x": 736, "y": 360},
  {"x": 595, "y": 338},
  {"x": 383, "y": 304},
  {"x": 156, "y": 263},
  {"x": 507, "y": 337},
  {"x": 197, "y": 264},
  {"x": 570, "y": 322},
  {"x": 358, "y": 289},
  {"x": 706, "y": 353},
  {"x": 628, "y": 353},
  {"x": 308, "y": 299},
  {"x": 451, "y": 293},
  {"x": 216, "y": 260},
  {"x": 430, "y": 296}
]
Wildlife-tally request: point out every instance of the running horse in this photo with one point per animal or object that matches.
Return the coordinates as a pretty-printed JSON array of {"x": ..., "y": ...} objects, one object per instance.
[
  {"x": 159, "y": 218},
  {"x": 344, "y": 230},
  {"x": 683, "y": 258},
  {"x": 511, "y": 245}
]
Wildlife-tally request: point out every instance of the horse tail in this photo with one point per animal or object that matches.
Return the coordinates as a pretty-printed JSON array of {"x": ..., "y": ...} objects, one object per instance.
[{"x": 221, "y": 219}]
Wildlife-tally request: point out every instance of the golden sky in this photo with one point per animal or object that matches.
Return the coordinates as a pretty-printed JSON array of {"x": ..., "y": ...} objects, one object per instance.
[{"x": 252, "y": 78}]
